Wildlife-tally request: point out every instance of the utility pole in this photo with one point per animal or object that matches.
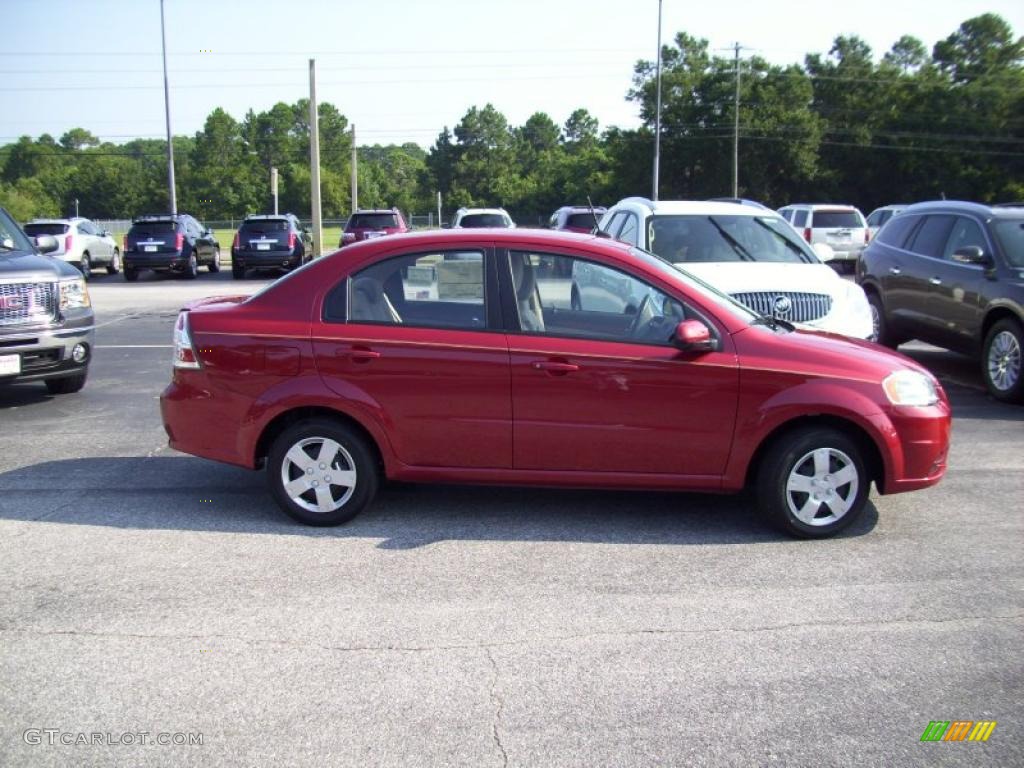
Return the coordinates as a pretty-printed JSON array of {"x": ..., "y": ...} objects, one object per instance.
[
  {"x": 314, "y": 163},
  {"x": 736, "y": 128},
  {"x": 657, "y": 114},
  {"x": 167, "y": 114},
  {"x": 439, "y": 207},
  {"x": 273, "y": 187},
  {"x": 355, "y": 172}
]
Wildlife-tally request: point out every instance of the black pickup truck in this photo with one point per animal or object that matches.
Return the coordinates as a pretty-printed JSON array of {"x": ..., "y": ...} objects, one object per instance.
[{"x": 46, "y": 320}]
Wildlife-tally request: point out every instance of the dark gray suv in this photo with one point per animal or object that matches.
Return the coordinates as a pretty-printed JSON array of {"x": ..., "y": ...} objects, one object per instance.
[
  {"x": 46, "y": 321},
  {"x": 952, "y": 274}
]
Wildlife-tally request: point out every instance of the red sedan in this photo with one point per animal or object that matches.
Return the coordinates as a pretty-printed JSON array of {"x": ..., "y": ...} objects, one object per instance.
[{"x": 542, "y": 358}]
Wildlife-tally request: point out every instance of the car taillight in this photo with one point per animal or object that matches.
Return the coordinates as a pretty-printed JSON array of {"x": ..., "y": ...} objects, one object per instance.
[
  {"x": 184, "y": 353},
  {"x": 867, "y": 236},
  {"x": 238, "y": 241},
  {"x": 179, "y": 242},
  {"x": 67, "y": 244},
  {"x": 124, "y": 243},
  {"x": 807, "y": 234},
  {"x": 291, "y": 240}
]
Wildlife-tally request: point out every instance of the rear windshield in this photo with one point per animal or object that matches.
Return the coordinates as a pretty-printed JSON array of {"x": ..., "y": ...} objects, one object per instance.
[
  {"x": 372, "y": 221},
  {"x": 691, "y": 239},
  {"x": 483, "y": 220},
  {"x": 33, "y": 230},
  {"x": 154, "y": 228},
  {"x": 1010, "y": 233},
  {"x": 265, "y": 225},
  {"x": 834, "y": 219},
  {"x": 581, "y": 220}
]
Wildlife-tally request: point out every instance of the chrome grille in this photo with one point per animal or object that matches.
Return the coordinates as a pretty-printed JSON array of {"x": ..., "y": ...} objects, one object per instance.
[
  {"x": 24, "y": 303},
  {"x": 803, "y": 307}
]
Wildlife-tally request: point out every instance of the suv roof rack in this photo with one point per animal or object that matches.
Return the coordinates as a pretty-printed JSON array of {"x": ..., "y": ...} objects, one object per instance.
[{"x": 154, "y": 217}]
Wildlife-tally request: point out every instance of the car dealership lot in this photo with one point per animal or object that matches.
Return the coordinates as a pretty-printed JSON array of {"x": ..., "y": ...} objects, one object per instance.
[{"x": 143, "y": 590}]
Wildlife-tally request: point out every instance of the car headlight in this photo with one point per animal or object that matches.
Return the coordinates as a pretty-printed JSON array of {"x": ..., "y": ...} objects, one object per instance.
[
  {"x": 74, "y": 294},
  {"x": 910, "y": 388}
]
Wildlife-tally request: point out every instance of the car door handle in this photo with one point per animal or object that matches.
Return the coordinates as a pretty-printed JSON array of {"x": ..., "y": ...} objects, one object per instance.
[
  {"x": 935, "y": 281},
  {"x": 363, "y": 354},
  {"x": 895, "y": 271},
  {"x": 555, "y": 367}
]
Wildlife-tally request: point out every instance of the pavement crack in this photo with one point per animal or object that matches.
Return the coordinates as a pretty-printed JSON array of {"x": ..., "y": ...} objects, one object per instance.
[{"x": 499, "y": 705}]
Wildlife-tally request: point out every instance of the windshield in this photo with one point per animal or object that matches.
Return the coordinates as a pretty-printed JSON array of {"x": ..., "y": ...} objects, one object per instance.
[
  {"x": 45, "y": 228},
  {"x": 483, "y": 220},
  {"x": 675, "y": 271},
  {"x": 11, "y": 236},
  {"x": 692, "y": 238},
  {"x": 1010, "y": 233},
  {"x": 372, "y": 221}
]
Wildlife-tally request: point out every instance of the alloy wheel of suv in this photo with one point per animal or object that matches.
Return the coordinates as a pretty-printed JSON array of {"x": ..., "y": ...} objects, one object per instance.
[
  {"x": 85, "y": 266},
  {"x": 192, "y": 270},
  {"x": 321, "y": 472},
  {"x": 115, "y": 263},
  {"x": 814, "y": 484},
  {"x": 215, "y": 264},
  {"x": 1001, "y": 361}
]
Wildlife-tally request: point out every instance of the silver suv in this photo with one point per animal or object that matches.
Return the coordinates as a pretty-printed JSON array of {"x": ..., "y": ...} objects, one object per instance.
[
  {"x": 841, "y": 227},
  {"x": 80, "y": 242}
]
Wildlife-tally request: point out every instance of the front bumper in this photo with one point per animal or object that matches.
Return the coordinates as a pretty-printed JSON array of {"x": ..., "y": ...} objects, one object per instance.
[
  {"x": 47, "y": 353},
  {"x": 919, "y": 438}
]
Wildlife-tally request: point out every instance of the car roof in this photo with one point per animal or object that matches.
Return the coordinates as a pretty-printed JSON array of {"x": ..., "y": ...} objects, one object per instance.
[
  {"x": 465, "y": 211},
  {"x": 539, "y": 238},
  {"x": 257, "y": 216},
  {"x": 820, "y": 206},
  {"x": 964, "y": 206},
  {"x": 55, "y": 221},
  {"x": 580, "y": 208},
  {"x": 375, "y": 210},
  {"x": 705, "y": 208}
]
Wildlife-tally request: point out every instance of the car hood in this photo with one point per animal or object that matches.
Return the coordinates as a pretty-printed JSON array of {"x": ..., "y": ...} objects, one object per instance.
[
  {"x": 751, "y": 277},
  {"x": 24, "y": 265}
]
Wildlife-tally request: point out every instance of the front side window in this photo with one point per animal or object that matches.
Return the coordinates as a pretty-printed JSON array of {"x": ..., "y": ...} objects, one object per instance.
[
  {"x": 931, "y": 238},
  {"x": 693, "y": 238},
  {"x": 966, "y": 232},
  {"x": 1010, "y": 233},
  {"x": 628, "y": 233},
  {"x": 566, "y": 296},
  {"x": 434, "y": 290}
]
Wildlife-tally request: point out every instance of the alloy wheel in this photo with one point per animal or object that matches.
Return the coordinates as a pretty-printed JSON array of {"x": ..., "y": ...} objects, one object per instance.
[
  {"x": 822, "y": 486},
  {"x": 1004, "y": 359},
  {"x": 318, "y": 474}
]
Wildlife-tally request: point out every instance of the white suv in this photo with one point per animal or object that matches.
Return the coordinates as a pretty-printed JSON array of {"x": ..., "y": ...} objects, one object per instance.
[
  {"x": 750, "y": 253},
  {"x": 482, "y": 217},
  {"x": 841, "y": 227},
  {"x": 80, "y": 242}
]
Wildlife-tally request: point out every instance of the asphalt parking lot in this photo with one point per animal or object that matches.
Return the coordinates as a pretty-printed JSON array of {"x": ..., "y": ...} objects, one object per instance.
[{"x": 146, "y": 591}]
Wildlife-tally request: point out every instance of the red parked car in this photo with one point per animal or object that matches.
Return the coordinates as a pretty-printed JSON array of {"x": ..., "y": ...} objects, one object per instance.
[
  {"x": 457, "y": 356},
  {"x": 369, "y": 224}
]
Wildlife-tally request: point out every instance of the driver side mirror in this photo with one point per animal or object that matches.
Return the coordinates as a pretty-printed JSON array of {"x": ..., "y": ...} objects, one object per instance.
[
  {"x": 693, "y": 336},
  {"x": 972, "y": 254},
  {"x": 46, "y": 243}
]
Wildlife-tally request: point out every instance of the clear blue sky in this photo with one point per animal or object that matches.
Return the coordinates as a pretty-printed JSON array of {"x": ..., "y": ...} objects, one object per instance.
[{"x": 399, "y": 69}]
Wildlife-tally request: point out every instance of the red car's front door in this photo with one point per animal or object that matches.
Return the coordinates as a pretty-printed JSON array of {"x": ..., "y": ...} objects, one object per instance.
[
  {"x": 596, "y": 387},
  {"x": 409, "y": 340}
]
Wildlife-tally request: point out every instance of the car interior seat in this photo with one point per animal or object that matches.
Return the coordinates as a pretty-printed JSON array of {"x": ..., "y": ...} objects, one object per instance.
[
  {"x": 370, "y": 303},
  {"x": 531, "y": 315}
]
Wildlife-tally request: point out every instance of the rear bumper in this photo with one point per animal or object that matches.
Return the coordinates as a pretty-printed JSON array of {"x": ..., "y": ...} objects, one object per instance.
[
  {"x": 847, "y": 253},
  {"x": 156, "y": 261},
  {"x": 264, "y": 259},
  {"x": 47, "y": 353}
]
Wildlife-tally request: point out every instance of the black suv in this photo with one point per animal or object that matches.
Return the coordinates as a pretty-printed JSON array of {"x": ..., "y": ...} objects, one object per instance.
[
  {"x": 169, "y": 243},
  {"x": 46, "y": 321},
  {"x": 952, "y": 274},
  {"x": 270, "y": 242}
]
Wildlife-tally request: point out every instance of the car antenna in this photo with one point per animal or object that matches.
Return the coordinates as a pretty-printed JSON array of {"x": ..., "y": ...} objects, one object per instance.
[{"x": 598, "y": 232}]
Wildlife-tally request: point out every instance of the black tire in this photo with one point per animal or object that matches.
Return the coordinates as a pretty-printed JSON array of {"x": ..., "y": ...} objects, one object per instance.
[
  {"x": 192, "y": 268},
  {"x": 883, "y": 334},
  {"x": 215, "y": 264},
  {"x": 67, "y": 385},
  {"x": 1002, "y": 361},
  {"x": 354, "y": 454},
  {"x": 85, "y": 266},
  {"x": 131, "y": 274},
  {"x": 237, "y": 272},
  {"x": 793, "y": 454},
  {"x": 115, "y": 263}
]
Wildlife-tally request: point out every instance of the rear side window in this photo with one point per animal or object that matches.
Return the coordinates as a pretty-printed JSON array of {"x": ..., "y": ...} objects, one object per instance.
[
  {"x": 372, "y": 221},
  {"x": 837, "y": 220},
  {"x": 930, "y": 239},
  {"x": 34, "y": 230},
  {"x": 800, "y": 219},
  {"x": 895, "y": 231}
]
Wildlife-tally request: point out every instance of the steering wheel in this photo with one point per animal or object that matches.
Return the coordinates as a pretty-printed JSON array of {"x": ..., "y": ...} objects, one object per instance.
[{"x": 644, "y": 314}]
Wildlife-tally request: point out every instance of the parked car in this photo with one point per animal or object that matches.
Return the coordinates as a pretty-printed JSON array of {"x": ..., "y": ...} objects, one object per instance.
[
  {"x": 371, "y": 223},
  {"x": 747, "y": 252},
  {"x": 270, "y": 242},
  {"x": 576, "y": 218},
  {"x": 878, "y": 217},
  {"x": 466, "y": 218},
  {"x": 952, "y": 274},
  {"x": 80, "y": 242},
  {"x": 437, "y": 359},
  {"x": 841, "y": 227},
  {"x": 46, "y": 319},
  {"x": 173, "y": 243}
]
